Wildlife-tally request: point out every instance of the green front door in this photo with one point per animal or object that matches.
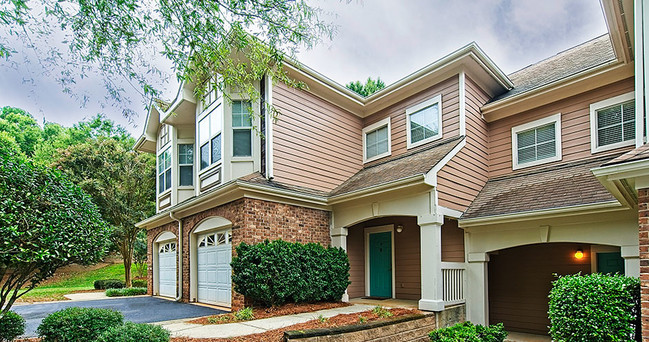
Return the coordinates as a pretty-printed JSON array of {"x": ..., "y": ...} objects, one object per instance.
[
  {"x": 610, "y": 263},
  {"x": 381, "y": 264}
]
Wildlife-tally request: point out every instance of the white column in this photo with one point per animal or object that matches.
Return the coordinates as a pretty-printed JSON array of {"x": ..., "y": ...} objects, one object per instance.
[
  {"x": 339, "y": 239},
  {"x": 431, "y": 262},
  {"x": 631, "y": 255},
  {"x": 477, "y": 294}
]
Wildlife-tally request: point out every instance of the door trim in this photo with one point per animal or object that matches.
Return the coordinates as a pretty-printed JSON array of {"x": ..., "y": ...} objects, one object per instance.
[{"x": 372, "y": 230}]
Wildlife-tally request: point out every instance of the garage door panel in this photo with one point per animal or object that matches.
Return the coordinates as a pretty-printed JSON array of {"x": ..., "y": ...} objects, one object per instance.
[
  {"x": 167, "y": 270},
  {"x": 215, "y": 286}
]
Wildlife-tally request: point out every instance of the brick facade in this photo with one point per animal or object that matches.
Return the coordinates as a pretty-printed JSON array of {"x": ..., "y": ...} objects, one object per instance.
[
  {"x": 643, "y": 242},
  {"x": 253, "y": 221}
]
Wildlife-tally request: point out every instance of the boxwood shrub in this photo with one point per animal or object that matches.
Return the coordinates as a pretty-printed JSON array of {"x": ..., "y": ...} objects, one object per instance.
[
  {"x": 469, "y": 333},
  {"x": 131, "y": 291},
  {"x": 279, "y": 272},
  {"x": 12, "y": 325},
  {"x": 134, "y": 332},
  {"x": 595, "y": 307},
  {"x": 139, "y": 283},
  {"x": 103, "y": 284},
  {"x": 78, "y": 324}
]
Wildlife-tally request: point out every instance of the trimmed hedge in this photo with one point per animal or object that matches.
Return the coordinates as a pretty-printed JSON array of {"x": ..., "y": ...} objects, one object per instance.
[
  {"x": 78, "y": 324},
  {"x": 595, "y": 307},
  {"x": 131, "y": 291},
  {"x": 469, "y": 333},
  {"x": 133, "y": 332},
  {"x": 278, "y": 272},
  {"x": 139, "y": 283},
  {"x": 103, "y": 284},
  {"x": 12, "y": 325}
]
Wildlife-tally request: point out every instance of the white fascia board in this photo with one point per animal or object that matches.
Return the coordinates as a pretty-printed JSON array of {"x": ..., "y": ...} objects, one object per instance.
[
  {"x": 637, "y": 168},
  {"x": 431, "y": 176}
]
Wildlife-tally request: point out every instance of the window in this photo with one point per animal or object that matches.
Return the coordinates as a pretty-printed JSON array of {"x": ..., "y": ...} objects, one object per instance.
[
  {"x": 209, "y": 137},
  {"x": 376, "y": 140},
  {"x": 424, "y": 122},
  {"x": 241, "y": 129},
  {"x": 186, "y": 164},
  {"x": 164, "y": 171},
  {"x": 211, "y": 94},
  {"x": 537, "y": 142},
  {"x": 612, "y": 123},
  {"x": 164, "y": 135}
]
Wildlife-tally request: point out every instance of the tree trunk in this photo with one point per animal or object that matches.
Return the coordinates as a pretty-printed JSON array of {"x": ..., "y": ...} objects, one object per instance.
[{"x": 127, "y": 272}]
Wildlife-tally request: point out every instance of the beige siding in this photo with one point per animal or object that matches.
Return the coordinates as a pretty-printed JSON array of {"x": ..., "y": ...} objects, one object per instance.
[
  {"x": 397, "y": 113},
  {"x": 460, "y": 181},
  {"x": 575, "y": 126},
  {"x": 316, "y": 144},
  {"x": 356, "y": 254},
  {"x": 452, "y": 242}
]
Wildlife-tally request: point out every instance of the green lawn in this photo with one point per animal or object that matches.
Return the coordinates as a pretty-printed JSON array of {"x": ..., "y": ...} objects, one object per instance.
[{"x": 79, "y": 281}]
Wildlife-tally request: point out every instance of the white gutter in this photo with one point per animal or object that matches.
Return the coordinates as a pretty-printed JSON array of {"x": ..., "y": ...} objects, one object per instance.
[{"x": 179, "y": 248}]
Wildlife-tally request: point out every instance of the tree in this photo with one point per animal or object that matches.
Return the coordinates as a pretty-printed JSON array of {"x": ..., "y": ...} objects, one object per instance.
[
  {"x": 140, "y": 254},
  {"x": 121, "y": 182},
  {"x": 240, "y": 40},
  {"x": 22, "y": 126},
  {"x": 46, "y": 222},
  {"x": 370, "y": 87}
]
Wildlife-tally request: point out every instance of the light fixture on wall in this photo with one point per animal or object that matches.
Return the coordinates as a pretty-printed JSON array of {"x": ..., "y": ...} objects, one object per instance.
[
  {"x": 399, "y": 228},
  {"x": 579, "y": 254}
]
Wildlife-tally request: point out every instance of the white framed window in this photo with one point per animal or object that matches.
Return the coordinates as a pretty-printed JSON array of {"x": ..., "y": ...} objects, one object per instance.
[
  {"x": 210, "y": 127},
  {"x": 376, "y": 140},
  {"x": 164, "y": 135},
  {"x": 186, "y": 164},
  {"x": 164, "y": 171},
  {"x": 612, "y": 123},
  {"x": 211, "y": 94},
  {"x": 536, "y": 142},
  {"x": 241, "y": 129},
  {"x": 424, "y": 122}
]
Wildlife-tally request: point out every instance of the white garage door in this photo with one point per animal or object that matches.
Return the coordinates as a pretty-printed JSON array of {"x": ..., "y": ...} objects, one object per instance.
[
  {"x": 167, "y": 269},
  {"x": 214, "y": 271}
]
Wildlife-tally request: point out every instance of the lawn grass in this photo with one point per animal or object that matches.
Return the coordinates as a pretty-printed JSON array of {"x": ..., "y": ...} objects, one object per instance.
[{"x": 77, "y": 282}]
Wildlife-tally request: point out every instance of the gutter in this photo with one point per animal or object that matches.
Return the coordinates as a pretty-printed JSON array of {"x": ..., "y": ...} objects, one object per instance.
[{"x": 179, "y": 248}]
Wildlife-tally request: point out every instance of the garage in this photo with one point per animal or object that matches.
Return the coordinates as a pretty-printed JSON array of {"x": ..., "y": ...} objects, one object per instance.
[
  {"x": 214, "y": 254},
  {"x": 167, "y": 269}
]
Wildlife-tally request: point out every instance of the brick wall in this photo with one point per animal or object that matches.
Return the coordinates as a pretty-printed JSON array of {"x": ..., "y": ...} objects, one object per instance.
[
  {"x": 643, "y": 242},
  {"x": 152, "y": 235},
  {"x": 253, "y": 221}
]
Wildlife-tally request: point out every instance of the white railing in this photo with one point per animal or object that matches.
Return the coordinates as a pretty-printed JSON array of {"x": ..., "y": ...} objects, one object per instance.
[{"x": 453, "y": 283}]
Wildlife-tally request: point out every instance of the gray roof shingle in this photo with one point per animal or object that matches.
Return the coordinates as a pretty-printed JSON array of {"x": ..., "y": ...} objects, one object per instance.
[{"x": 639, "y": 153}]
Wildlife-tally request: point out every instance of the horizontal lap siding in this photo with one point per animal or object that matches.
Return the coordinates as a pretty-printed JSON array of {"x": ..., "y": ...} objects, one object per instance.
[
  {"x": 315, "y": 143},
  {"x": 452, "y": 242},
  {"x": 575, "y": 126},
  {"x": 397, "y": 113},
  {"x": 460, "y": 181},
  {"x": 356, "y": 254}
]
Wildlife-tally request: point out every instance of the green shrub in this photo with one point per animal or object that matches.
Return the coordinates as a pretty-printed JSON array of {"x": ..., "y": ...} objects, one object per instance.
[
  {"x": 244, "y": 314},
  {"x": 103, "y": 284},
  {"x": 131, "y": 291},
  {"x": 274, "y": 273},
  {"x": 12, "y": 325},
  {"x": 469, "y": 333},
  {"x": 381, "y": 312},
  {"x": 139, "y": 283},
  {"x": 78, "y": 324},
  {"x": 133, "y": 332},
  {"x": 595, "y": 307}
]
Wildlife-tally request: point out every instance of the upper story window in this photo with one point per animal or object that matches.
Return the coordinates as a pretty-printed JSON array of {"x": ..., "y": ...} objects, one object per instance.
[
  {"x": 537, "y": 142},
  {"x": 209, "y": 137},
  {"x": 211, "y": 94},
  {"x": 186, "y": 164},
  {"x": 164, "y": 171},
  {"x": 424, "y": 122},
  {"x": 164, "y": 135},
  {"x": 241, "y": 129},
  {"x": 376, "y": 140},
  {"x": 612, "y": 123}
]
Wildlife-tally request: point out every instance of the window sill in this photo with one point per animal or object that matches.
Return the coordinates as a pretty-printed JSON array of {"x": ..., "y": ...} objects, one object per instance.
[
  {"x": 596, "y": 149},
  {"x": 422, "y": 142},
  {"x": 536, "y": 163},
  {"x": 164, "y": 193},
  {"x": 377, "y": 157},
  {"x": 241, "y": 159}
]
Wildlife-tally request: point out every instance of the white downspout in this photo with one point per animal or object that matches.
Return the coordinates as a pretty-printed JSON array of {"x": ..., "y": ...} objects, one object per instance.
[{"x": 180, "y": 256}]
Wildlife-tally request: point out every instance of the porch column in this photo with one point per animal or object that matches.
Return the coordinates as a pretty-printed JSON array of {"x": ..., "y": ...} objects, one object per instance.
[
  {"x": 477, "y": 305},
  {"x": 631, "y": 261},
  {"x": 431, "y": 262},
  {"x": 339, "y": 239},
  {"x": 643, "y": 242}
]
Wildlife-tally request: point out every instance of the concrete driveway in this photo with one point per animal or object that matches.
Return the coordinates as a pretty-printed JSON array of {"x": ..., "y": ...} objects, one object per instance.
[{"x": 135, "y": 309}]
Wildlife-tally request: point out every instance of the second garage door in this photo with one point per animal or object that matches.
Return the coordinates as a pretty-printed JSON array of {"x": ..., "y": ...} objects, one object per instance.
[{"x": 214, "y": 271}]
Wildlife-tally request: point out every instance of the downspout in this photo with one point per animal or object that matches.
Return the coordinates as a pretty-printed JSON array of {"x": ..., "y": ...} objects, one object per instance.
[{"x": 180, "y": 256}]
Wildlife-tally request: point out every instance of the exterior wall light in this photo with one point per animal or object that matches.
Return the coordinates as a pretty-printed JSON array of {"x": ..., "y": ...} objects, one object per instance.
[
  {"x": 579, "y": 254},
  {"x": 399, "y": 228}
]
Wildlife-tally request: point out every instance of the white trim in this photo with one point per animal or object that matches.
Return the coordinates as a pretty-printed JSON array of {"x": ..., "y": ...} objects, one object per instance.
[
  {"x": 372, "y": 230},
  {"x": 462, "y": 90},
  {"x": 421, "y": 106},
  {"x": 556, "y": 119},
  {"x": 212, "y": 223},
  {"x": 431, "y": 176},
  {"x": 639, "y": 14},
  {"x": 594, "y": 107},
  {"x": 371, "y": 128},
  {"x": 269, "y": 128},
  {"x": 166, "y": 236}
]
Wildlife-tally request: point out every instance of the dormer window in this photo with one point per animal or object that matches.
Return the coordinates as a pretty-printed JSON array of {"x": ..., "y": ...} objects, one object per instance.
[
  {"x": 164, "y": 135},
  {"x": 424, "y": 122}
]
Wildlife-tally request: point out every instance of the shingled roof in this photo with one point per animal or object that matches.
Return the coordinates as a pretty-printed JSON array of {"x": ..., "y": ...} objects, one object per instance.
[
  {"x": 639, "y": 153},
  {"x": 582, "y": 57},
  {"x": 567, "y": 185}
]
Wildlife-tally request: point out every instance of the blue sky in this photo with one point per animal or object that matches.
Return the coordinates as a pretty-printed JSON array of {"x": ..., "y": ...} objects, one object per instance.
[{"x": 385, "y": 38}]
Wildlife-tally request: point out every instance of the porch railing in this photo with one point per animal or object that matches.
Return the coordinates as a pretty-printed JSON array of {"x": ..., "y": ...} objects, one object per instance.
[{"x": 453, "y": 282}]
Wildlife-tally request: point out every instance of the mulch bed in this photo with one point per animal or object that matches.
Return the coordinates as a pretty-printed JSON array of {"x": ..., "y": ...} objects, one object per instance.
[
  {"x": 283, "y": 310},
  {"x": 277, "y": 335}
]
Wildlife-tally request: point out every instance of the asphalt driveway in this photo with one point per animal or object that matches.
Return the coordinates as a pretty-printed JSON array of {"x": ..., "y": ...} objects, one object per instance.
[{"x": 135, "y": 309}]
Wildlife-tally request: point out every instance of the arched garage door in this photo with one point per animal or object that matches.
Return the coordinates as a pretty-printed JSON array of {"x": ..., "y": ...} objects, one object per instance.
[
  {"x": 167, "y": 269},
  {"x": 214, "y": 271}
]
